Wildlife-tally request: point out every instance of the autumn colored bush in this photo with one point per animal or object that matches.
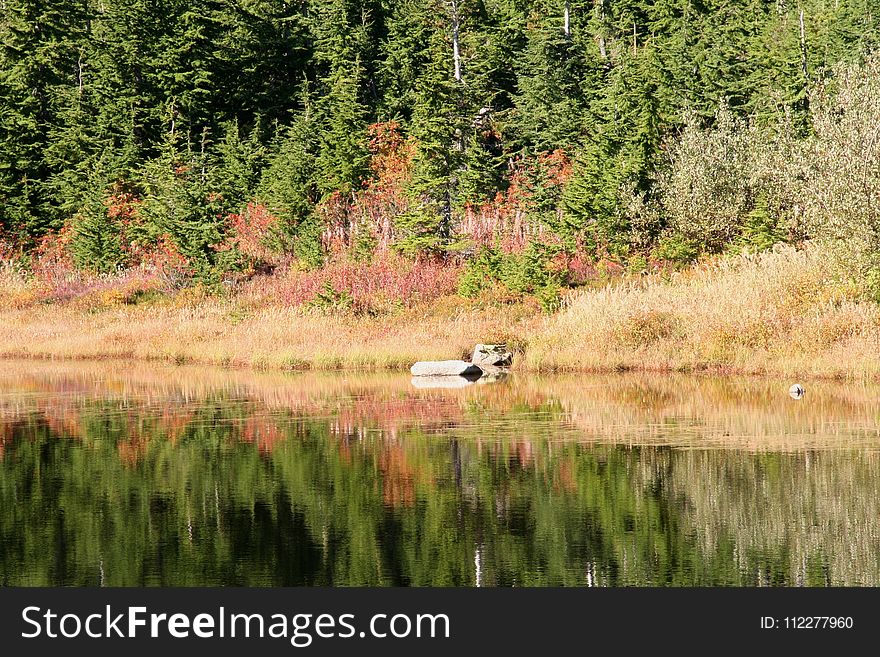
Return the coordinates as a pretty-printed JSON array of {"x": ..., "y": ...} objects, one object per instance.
[
  {"x": 384, "y": 284},
  {"x": 366, "y": 218},
  {"x": 526, "y": 211},
  {"x": 254, "y": 233}
]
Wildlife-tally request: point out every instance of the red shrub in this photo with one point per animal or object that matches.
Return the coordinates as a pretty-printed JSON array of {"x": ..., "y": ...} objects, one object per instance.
[
  {"x": 52, "y": 261},
  {"x": 381, "y": 284},
  {"x": 251, "y": 231},
  {"x": 370, "y": 212},
  {"x": 508, "y": 220}
]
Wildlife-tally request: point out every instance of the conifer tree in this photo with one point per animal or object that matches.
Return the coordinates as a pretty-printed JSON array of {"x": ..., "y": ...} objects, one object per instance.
[{"x": 40, "y": 69}]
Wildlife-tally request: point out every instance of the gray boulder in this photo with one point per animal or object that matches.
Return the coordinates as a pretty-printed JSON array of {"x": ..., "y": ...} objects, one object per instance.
[
  {"x": 445, "y": 368},
  {"x": 493, "y": 355}
]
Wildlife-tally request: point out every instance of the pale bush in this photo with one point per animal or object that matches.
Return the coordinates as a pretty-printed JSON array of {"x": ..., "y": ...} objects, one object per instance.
[
  {"x": 733, "y": 183},
  {"x": 842, "y": 191},
  {"x": 707, "y": 192}
]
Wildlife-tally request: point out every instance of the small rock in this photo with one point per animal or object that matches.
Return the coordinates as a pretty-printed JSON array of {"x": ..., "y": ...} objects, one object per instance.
[
  {"x": 495, "y": 355},
  {"x": 796, "y": 391},
  {"x": 445, "y": 368}
]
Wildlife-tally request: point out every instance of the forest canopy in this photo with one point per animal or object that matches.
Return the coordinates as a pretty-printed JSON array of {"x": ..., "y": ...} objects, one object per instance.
[{"x": 214, "y": 136}]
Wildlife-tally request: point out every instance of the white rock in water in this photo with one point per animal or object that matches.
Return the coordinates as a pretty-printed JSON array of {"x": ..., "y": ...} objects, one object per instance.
[
  {"x": 445, "y": 368},
  {"x": 796, "y": 391},
  {"x": 491, "y": 354},
  {"x": 445, "y": 382}
]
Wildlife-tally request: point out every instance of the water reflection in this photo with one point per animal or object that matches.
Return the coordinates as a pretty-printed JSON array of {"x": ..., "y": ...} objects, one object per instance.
[{"x": 128, "y": 474}]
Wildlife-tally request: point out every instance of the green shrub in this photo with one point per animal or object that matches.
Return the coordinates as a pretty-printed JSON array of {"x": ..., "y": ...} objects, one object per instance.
[
  {"x": 526, "y": 273},
  {"x": 328, "y": 298},
  {"x": 676, "y": 249},
  {"x": 96, "y": 242}
]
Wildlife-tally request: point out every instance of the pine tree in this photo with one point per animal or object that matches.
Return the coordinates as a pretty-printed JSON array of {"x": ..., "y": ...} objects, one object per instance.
[
  {"x": 40, "y": 67},
  {"x": 618, "y": 158},
  {"x": 550, "y": 103},
  {"x": 289, "y": 186},
  {"x": 180, "y": 204}
]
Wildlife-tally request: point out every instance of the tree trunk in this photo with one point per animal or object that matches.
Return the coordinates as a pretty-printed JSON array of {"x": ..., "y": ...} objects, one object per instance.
[
  {"x": 803, "y": 47},
  {"x": 456, "y": 54},
  {"x": 600, "y": 37}
]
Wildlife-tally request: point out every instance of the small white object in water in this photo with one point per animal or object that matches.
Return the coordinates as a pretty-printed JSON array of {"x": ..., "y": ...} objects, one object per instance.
[
  {"x": 796, "y": 391},
  {"x": 449, "y": 382}
]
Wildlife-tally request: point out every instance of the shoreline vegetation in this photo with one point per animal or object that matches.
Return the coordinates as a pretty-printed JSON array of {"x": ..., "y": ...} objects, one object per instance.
[
  {"x": 775, "y": 313},
  {"x": 361, "y": 185}
]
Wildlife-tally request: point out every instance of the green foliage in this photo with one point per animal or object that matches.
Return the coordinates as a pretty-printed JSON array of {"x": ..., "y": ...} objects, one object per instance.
[
  {"x": 678, "y": 118},
  {"x": 307, "y": 245},
  {"x": 328, "y": 298},
  {"x": 288, "y": 185},
  {"x": 529, "y": 272},
  {"x": 96, "y": 242},
  {"x": 239, "y": 162},
  {"x": 421, "y": 230},
  {"x": 761, "y": 229},
  {"x": 710, "y": 187},
  {"x": 180, "y": 203},
  {"x": 619, "y": 156},
  {"x": 676, "y": 249}
]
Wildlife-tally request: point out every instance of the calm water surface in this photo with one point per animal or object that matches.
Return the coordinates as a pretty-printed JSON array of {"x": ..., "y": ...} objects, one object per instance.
[{"x": 126, "y": 474}]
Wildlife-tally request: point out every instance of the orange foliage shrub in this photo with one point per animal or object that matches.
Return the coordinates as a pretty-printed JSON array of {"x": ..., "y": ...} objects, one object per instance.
[
  {"x": 251, "y": 231},
  {"x": 386, "y": 282},
  {"x": 370, "y": 212},
  {"x": 510, "y": 218}
]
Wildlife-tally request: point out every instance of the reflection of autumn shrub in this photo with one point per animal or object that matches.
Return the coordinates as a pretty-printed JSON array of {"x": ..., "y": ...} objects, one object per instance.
[
  {"x": 386, "y": 283},
  {"x": 398, "y": 486},
  {"x": 261, "y": 431}
]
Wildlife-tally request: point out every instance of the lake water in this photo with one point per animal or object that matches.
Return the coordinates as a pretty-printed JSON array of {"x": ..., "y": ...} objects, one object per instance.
[{"x": 126, "y": 474}]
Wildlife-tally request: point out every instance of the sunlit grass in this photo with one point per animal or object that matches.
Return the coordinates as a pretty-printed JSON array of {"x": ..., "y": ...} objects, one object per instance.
[
  {"x": 783, "y": 312},
  {"x": 214, "y": 331},
  {"x": 780, "y": 312}
]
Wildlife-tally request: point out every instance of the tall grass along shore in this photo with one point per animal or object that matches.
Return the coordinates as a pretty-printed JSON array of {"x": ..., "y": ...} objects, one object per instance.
[{"x": 778, "y": 312}]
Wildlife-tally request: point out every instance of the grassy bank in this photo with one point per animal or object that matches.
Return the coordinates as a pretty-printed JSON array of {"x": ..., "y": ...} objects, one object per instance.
[
  {"x": 780, "y": 312},
  {"x": 221, "y": 333},
  {"x": 783, "y": 312}
]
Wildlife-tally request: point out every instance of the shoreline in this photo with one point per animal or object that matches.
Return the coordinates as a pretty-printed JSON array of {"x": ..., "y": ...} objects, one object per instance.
[
  {"x": 697, "y": 370},
  {"x": 327, "y": 362},
  {"x": 776, "y": 314}
]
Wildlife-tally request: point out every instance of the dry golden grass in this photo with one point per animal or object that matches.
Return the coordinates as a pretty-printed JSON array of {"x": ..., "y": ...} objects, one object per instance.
[
  {"x": 221, "y": 332},
  {"x": 782, "y": 313},
  {"x": 779, "y": 312}
]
